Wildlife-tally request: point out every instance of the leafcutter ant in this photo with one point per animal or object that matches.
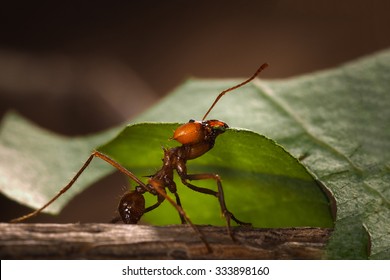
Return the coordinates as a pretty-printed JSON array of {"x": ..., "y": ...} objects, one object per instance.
[{"x": 196, "y": 138}]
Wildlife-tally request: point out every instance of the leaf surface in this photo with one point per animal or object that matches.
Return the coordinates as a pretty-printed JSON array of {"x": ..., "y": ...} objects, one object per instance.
[
  {"x": 263, "y": 184},
  {"x": 35, "y": 163},
  {"x": 337, "y": 121}
]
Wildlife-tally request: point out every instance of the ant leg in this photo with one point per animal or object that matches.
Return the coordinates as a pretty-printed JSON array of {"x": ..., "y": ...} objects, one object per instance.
[
  {"x": 172, "y": 188},
  {"x": 74, "y": 179},
  {"x": 220, "y": 195},
  {"x": 182, "y": 219},
  {"x": 160, "y": 200},
  {"x": 157, "y": 204},
  {"x": 129, "y": 174},
  {"x": 62, "y": 191},
  {"x": 152, "y": 207}
]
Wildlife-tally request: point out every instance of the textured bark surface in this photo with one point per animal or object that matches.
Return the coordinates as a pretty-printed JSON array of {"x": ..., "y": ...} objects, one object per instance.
[{"x": 107, "y": 241}]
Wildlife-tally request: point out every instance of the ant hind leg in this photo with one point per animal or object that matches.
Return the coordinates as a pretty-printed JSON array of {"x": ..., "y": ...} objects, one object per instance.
[{"x": 220, "y": 195}]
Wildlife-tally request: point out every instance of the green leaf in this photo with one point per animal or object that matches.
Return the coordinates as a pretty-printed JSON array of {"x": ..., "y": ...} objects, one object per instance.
[
  {"x": 336, "y": 120},
  {"x": 263, "y": 184},
  {"x": 35, "y": 163}
]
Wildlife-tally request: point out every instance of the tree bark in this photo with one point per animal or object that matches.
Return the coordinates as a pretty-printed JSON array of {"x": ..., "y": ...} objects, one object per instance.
[{"x": 108, "y": 241}]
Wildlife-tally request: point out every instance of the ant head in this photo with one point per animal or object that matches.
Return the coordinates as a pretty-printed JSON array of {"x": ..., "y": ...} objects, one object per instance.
[
  {"x": 131, "y": 207},
  {"x": 216, "y": 125}
]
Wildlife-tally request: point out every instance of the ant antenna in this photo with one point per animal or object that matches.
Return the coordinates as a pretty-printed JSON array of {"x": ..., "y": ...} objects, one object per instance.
[{"x": 261, "y": 68}]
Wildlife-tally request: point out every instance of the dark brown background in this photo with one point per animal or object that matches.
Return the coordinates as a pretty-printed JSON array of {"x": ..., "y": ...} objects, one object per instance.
[{"x": 80, "y": 68}]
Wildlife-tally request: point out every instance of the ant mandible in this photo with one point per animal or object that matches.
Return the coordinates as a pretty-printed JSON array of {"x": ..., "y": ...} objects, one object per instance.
[{"x": 197, "y": 138}]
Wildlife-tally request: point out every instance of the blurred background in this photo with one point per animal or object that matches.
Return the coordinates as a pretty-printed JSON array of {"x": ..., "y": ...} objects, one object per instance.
[{"x": 80, "y": 68}]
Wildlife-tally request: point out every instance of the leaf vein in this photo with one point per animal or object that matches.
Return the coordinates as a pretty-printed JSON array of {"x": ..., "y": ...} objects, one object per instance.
[{"x": 282, "y": 106}]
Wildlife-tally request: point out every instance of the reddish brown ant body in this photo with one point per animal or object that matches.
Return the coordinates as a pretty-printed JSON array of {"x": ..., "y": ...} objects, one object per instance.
[{"x": 197, "y": 138}]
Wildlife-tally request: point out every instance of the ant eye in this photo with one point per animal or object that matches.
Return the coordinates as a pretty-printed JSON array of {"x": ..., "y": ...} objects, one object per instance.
[
  {"x": 191, "y": 121},
  {"x": 220, "y": 128}
]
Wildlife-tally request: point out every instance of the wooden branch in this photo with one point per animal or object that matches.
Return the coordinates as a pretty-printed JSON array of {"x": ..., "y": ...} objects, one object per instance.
[{"x": 108, "y": 241}]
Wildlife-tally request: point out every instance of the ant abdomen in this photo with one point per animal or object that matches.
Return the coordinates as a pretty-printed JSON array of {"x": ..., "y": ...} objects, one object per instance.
[{"x": 131, "y": 207}]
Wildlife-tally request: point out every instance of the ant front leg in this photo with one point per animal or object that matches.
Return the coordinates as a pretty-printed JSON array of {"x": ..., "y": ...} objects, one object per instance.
[{"x": 220, "y": 195}]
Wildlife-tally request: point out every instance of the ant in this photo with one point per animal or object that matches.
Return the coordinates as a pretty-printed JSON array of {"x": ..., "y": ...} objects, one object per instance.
[{"x": 197, "y": 138}]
